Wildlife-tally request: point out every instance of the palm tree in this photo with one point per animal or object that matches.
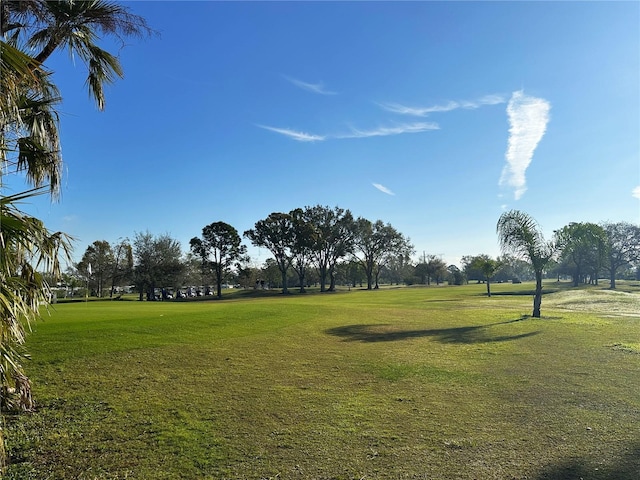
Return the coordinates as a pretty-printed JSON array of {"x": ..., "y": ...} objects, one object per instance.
[
  {"x": 520, "y": 235},
  {"x": 488, "y": 267},
  {"x": 29, "y": 145},
  {"x": 75, "y": 25}
]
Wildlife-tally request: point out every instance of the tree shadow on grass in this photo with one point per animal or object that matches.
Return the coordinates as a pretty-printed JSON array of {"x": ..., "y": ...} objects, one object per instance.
[
  {"x": 625, "y": 467},
  {"x": 386, "y": 333}
]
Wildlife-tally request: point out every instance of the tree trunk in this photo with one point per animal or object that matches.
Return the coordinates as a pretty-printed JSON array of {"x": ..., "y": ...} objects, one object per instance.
[
  {"x": 488, "y": 288},
  {"x": 537, "y": 298},
  {"x": 285, "y": 290},
  {"x": 323, "y": 277},
  {"x": 218, "y": 271},
  {"x": 46, "y": 52},
  {"x": 368, "y": 271},
  {"x": 612, "y": 277},
  {"x": 577, "y": 276}
]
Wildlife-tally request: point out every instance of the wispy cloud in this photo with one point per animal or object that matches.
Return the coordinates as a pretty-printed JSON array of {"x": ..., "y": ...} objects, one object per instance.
[
  {"x": 528, "y": 118},
  {"x": 318, "y": 88},
  {"x": 636, "y": 192},
  {"x": 355, "y": 133},
  {"x": 446, "y": 107},
  {"x": 394, "y": 130},
  {"x": 383, "y": 189},
  {"x": 295, "y": 135}
]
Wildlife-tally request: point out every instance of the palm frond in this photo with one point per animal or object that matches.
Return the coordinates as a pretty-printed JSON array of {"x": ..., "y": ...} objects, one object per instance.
[
  {"x": 520, "y": 234},
  {"x": 77, "y": 26},
  {"x": 26, "y": 248}
]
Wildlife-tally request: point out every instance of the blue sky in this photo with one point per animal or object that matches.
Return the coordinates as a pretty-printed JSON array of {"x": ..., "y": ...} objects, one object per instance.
[{"x": 433, "y": 116}]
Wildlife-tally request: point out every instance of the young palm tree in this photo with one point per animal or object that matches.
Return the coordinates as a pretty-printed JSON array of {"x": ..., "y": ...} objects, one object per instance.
[
  {"x": 488, "y": 267},
  {"x": 520, "y": 235}
]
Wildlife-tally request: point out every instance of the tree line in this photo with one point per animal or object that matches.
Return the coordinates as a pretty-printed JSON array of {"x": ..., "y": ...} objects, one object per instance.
[
  {"x": 326, "y": 246},
  {"x": 316, "y": 245}
]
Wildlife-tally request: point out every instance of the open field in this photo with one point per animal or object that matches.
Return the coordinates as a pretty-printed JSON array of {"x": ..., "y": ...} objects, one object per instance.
[{"x": 424, "y": 383}]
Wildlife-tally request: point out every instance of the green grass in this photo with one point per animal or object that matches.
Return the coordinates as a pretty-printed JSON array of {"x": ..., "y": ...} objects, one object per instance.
[{"x": 396, "y": 383}]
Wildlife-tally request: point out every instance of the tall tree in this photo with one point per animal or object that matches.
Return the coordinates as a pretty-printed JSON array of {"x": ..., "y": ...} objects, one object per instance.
[
  {"x": 158, "y": 263},
  {"x": 400, "y": 248},
  {"x": 333, "y": 239},
  {"x": 219, "y": 249},
  {"x": 301, "y": 245},
  {"x": 520, "y": 235},
  {"x": 276, "y": 233},
  {"x": 123, "y": 264},
  {"x": 430, "y": 267},
  {"x": 144, "y": 263},
  {"x": 98, "y": 260},
  {"x": 583, "y": 247},
  {"x": 374, "y": 244},
  {"x": 469, "y": 268},
  {"x": 623, "y": 247},
  {"x": 270, "y": 274},
  {"x": 399, "y": 268}
]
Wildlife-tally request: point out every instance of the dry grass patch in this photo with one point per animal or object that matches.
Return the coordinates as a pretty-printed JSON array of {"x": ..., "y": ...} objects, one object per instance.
[{"x": 613, "y": 303}]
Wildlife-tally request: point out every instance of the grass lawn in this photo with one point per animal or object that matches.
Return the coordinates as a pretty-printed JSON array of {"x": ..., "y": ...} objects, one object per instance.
[{"x": 420, "y": 383}]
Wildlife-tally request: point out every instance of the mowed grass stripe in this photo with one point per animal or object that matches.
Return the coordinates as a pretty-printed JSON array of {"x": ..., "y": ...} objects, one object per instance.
[{"x": 398, "y": 383}]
